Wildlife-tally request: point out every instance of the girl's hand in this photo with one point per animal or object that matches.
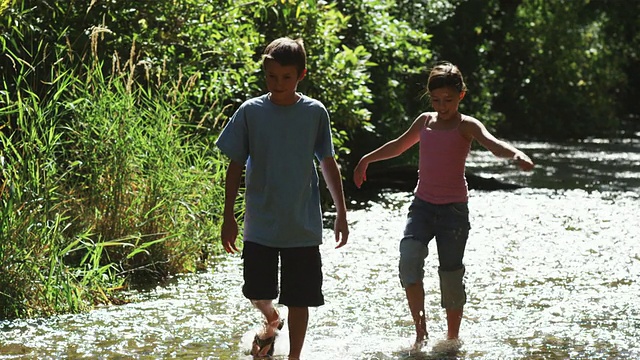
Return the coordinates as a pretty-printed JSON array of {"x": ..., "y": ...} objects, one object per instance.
[
  {"x": 360, "y": 173},
  {"x": 523, "y": 161}
]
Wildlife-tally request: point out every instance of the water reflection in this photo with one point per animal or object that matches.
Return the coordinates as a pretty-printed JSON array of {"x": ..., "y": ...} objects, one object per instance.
[
  {"x": 551, "y": 273},
  {"x": 605, "y": 165}
]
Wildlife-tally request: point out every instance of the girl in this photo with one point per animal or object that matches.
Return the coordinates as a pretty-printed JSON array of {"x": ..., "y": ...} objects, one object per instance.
[{"x": 439, "y": 208}]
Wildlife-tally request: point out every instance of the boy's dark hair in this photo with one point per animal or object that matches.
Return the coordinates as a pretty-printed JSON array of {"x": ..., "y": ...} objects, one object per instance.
[
  {"x": 286, "y": 51},
  {"x": 445, "y": 74}
]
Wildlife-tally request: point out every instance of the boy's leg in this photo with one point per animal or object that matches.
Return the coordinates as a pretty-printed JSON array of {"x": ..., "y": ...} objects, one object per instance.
[
  {"x": 268, "y": 310},
  {"x": 301, "y": 275},
  {"x": 260, "y": 272},
  {"x": 271, "y": 326},
  {"x": 298, "y": 320}
]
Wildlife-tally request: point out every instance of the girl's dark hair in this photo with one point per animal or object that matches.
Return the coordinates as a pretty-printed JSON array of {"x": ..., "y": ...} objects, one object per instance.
[
  {"x": 286, "y": 51},
  {"x": 445, "y": 74}
]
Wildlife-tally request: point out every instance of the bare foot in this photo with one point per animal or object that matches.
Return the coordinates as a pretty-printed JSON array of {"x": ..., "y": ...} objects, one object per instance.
[
  {"x": 421, "y": 328},
  {"x": 417, "y": 346},
  {"x": 448, "y": 346},
  {"x": 421, "y": 333}
]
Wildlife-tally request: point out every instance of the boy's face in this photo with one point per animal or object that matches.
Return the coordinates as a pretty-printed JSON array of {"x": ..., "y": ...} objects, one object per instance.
[{"x": 282, "y": 82}]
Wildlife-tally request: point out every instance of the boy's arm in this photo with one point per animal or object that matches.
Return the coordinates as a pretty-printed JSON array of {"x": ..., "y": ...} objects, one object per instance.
[
  {"x": 498, "y": 147},
  {"x": 332, "y": 177},
  {"x": 389, "y": 150},
  {"x": 229, "y": 231}
]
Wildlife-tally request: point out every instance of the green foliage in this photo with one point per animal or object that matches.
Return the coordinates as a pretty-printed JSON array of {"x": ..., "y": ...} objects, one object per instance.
[
  {"x": 136, "y": 171},
  {"x": 540, "y": 69},
  {"x": 399, "y": 60},
  {"x": 102, "y": 181},
  {"x": 558, "y": 74},
  {"x": 620, "y": 34},
  {"x": 34, "y": 219},
  {"x": 337, "y": 74},
  {"x": 464, "y": 37},
  {"x": 109, "y": 111}
]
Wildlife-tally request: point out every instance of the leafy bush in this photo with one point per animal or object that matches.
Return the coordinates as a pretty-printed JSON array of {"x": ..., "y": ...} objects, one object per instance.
[
  {"x": 542, "y": 69},
  {"x": 561, "y": 79},
  {"x": 102, "y": 180}
]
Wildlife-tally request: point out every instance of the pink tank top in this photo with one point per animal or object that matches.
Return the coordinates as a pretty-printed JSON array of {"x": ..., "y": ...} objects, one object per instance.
[{"x": 443, "y": 154}]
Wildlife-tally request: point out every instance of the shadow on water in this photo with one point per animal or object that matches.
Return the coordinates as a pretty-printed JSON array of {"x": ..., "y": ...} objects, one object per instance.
[
  {"x": 602, "y": 165},
  {"x": 553, "y": 269}
]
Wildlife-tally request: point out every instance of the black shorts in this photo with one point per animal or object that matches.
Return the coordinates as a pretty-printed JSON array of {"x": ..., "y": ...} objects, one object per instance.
[{"x": 300, "y": 274}]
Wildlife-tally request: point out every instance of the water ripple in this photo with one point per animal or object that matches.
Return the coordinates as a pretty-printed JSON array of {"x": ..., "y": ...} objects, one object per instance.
[{"x": 551, "y": 274}]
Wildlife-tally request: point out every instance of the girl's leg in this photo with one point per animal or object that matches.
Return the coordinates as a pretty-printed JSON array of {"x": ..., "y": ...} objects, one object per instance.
[
  {"x": 453, "y": 298},
  {"x": 451, "y": 241},
  {"x": 298, "y": 320},
  {"x": 412, "y": 255},
  {"x": 415, "y": 298},
  {"x": 454, "y": 318},
  {"x": 413, "y": 252}
]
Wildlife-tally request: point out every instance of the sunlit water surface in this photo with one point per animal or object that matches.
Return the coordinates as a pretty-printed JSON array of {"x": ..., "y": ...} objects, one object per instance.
[{"x": 551, "y": 274}]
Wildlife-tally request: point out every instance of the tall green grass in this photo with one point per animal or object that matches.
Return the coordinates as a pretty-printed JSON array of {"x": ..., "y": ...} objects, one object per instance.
[{"x": 103, "y": 183}]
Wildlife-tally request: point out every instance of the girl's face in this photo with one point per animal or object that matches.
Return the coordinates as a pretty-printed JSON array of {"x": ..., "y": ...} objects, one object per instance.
[
  {"x": 445, "y": 102},
  {"x": 282, "y": 82}
]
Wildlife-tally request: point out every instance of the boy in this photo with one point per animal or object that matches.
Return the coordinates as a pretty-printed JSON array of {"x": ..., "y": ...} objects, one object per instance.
[{"x": 277, "y": 135}]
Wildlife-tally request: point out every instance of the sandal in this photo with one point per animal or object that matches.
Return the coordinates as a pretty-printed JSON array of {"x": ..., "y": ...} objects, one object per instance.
[{"x": 270, "y": 341}]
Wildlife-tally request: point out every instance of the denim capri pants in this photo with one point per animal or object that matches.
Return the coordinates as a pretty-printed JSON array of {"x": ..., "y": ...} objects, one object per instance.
[{"x": 449, "y": 225}]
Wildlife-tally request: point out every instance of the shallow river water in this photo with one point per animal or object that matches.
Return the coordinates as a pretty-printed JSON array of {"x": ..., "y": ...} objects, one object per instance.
[{"x": 552, "y": 273}]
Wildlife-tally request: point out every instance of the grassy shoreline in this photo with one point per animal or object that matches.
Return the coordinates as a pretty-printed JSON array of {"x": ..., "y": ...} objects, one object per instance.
[{"x": 103, "y": 184}]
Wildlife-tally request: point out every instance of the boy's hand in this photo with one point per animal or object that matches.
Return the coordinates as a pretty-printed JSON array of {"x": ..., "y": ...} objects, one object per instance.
[
  {"x": 341, "y": 230},
  {"x": 229, "y": 234}
]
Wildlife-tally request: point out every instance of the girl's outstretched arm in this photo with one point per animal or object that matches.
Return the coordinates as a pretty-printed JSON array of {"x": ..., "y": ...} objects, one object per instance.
[
  {"x": 499, "y": 148},
  {"x": 390, "y": 150}
]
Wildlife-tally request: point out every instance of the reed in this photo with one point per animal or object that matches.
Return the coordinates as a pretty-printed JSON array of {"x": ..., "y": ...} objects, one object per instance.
[{"x": 104, "y": 183}]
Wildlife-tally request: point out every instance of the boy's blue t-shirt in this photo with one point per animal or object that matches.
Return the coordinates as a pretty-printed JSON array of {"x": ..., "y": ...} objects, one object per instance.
[{"x": 278, "y": 144}]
